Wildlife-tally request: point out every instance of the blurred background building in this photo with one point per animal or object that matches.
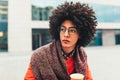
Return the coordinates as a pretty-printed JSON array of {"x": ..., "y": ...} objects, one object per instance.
[
  {"x": 3, "y": 25},
  {"x": 24, "y": 24}
]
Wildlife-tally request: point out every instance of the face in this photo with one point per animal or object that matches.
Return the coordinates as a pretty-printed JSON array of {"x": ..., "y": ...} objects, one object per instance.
[{"x": 68, "y": 35}]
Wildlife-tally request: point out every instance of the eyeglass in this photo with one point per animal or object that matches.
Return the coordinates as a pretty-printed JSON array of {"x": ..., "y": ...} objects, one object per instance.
[{"x": 71, "y": 30}]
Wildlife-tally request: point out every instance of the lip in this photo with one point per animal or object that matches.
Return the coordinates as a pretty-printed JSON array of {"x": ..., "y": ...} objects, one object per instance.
[{"x": 65, "y": 41}]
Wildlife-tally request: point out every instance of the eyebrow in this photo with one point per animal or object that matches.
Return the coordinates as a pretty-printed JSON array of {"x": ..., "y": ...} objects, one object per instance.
[{"x": 69, "y": 27}]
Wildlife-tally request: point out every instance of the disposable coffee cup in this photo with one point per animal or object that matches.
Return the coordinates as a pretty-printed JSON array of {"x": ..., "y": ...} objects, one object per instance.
[{"x": 76, "y": 76}]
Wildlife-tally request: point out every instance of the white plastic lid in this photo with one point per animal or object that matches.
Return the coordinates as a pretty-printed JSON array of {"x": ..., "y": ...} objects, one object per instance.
[{"x": 77, "y": 76}]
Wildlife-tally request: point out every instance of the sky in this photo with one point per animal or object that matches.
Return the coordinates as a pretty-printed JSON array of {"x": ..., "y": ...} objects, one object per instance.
[{"x": 56, "y": 2}]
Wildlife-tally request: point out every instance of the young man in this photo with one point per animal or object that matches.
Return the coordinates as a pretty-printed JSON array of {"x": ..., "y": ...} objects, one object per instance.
[{"x": 72, "y": 26}]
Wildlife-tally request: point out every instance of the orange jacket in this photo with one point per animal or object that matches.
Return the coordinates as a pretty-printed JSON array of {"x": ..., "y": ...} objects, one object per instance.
[{"x": 70, "y": 67}]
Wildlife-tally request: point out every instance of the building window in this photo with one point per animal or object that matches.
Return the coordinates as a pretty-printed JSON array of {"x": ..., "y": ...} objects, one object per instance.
[
  {"x": 3, "y": 25},
  {"x": 117, "y": 36},
  {"x": 40, "y": 37},
  {"x": 39, "y": 13},
  {"x": 97, "y": 41},
  {"x": 103, "y": 15},
  {"x": 42, "y": 9}
]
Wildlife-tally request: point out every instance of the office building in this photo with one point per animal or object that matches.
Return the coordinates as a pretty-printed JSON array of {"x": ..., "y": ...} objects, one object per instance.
[{"x": 24, "y": 25}]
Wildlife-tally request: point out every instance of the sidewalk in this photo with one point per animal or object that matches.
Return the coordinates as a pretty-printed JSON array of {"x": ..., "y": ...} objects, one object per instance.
[
  {"x": 103, "y": 61},
  {"x": 13, "y": 67}
]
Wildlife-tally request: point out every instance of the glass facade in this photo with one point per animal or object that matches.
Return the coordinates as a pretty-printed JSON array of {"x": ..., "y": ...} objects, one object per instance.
[
  {"x": 3, "y": 25},
  {"x": 40, "y": 37},
  {"x": 41, "y": 9},
  {"x": 107, "y": 13},
  {"x": 39, "y": 13},
  {"x": 97, "y": 41},
  {"x": 117, "y": 36}
]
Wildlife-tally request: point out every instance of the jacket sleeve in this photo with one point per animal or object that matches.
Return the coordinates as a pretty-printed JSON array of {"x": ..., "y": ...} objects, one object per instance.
[
  {"x": 88, "y": 73},
  {"x": 29, "y": 74}
]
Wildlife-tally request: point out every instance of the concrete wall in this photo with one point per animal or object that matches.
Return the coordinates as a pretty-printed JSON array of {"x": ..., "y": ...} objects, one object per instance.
[
  {"x": 20, "y": 26},
  {"x": 19, "y": 31},
  {"x": 108, "y": 37}
]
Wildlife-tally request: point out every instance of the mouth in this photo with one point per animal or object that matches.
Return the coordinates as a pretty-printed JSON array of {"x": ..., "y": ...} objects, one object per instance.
[{"x": 65, "y": 41}]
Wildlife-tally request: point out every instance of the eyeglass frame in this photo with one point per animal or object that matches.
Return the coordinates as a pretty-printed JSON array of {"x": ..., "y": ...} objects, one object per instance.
[{"x": 71, "y": 32}]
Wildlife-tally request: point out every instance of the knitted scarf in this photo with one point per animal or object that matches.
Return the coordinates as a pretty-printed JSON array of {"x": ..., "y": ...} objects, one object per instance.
[{"x": 48, "y": 63}]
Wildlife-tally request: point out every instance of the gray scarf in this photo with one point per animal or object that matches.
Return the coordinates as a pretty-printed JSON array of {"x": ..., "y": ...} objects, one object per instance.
[{"x": 48, "y": 63}]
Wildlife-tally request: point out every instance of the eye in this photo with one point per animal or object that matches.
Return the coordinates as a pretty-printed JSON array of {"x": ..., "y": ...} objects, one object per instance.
[
  {"x": 73, "y": 30},
  {"x": 62, "y": 28}
]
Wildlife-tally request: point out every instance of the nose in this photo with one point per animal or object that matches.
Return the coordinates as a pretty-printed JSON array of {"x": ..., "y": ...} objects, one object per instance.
[{"x": 66, "y": 34}]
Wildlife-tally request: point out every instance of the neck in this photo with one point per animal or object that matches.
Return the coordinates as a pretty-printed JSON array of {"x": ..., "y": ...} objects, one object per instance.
[{"x": 67, "y": 50}]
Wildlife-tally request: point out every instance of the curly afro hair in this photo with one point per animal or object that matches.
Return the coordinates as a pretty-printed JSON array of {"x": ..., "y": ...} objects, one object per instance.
[{"x": 81, "y": 15}]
